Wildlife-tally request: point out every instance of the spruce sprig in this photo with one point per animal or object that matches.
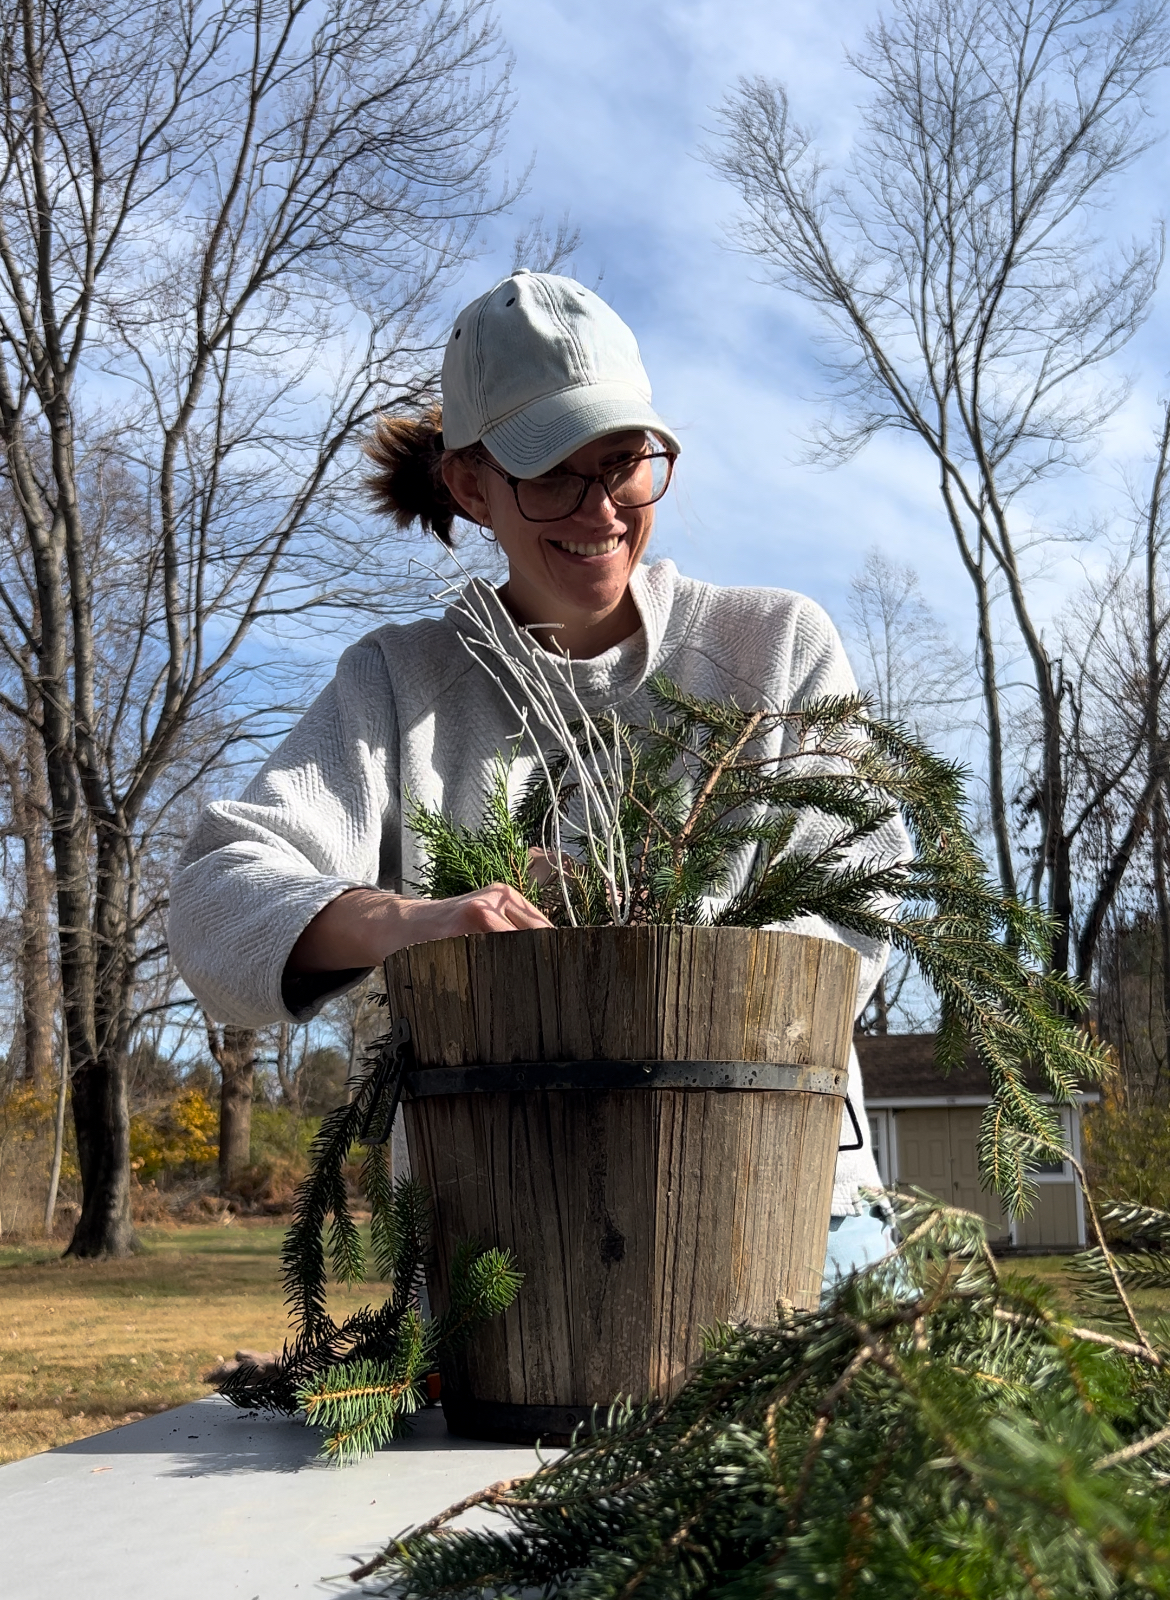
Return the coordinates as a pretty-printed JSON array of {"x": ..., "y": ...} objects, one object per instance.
[
  {"x": 495, "y": 852},
  {"x": 714, "y": 797},
  {"x": 362, "y": 1378},
  {"x": 937, "y": 1428},
  {"x": 362, "y": 1404}
]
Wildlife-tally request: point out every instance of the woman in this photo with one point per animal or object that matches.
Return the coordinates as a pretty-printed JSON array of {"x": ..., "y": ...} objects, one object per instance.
[{"x": 549, "y": 440}]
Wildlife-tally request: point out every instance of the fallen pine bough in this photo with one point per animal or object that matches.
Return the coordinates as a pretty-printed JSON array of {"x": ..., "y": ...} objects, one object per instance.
[{"x": 938, "y": 1428}]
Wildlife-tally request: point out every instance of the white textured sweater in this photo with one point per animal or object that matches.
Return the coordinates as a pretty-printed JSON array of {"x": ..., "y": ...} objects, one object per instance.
[{"x": 410, "y": 712}]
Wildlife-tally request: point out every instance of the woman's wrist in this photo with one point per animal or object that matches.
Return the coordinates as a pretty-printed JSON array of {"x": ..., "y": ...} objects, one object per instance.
[{"x": 358, "y": 929}]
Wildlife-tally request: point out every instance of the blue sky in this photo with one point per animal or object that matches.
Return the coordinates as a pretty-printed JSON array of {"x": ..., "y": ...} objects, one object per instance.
[{"x": 614, "y": 101}]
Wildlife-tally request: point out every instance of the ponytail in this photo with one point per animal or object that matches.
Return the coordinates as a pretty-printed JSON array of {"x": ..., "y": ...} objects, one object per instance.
[{"x": 407, "y": 481}]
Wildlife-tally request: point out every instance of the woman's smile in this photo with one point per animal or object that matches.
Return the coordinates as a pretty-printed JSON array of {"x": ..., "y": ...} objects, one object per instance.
[{"x": 588, "y": 549}]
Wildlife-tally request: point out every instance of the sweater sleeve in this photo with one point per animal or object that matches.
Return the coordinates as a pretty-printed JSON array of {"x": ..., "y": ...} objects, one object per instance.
[{"x": 256, "y": 871}]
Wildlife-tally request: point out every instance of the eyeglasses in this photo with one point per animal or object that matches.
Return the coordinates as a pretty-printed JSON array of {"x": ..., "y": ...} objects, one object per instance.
[{"x": 636, "y": 481}]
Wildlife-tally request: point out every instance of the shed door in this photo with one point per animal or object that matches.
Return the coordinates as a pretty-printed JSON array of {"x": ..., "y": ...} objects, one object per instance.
[{"x": 938, "y": 1150}]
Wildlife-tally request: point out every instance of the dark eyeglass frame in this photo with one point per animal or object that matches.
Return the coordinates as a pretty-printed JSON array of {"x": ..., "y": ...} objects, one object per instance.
[{"x": 587, "y": 480}]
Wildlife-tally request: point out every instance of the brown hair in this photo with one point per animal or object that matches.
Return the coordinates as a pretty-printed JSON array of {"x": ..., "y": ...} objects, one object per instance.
[{"x": 407, "y": 481}]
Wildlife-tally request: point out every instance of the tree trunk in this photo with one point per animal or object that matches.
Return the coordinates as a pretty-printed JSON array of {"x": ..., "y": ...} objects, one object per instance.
[
  {"x": 38, "y": 998},
  {"x": 285, "y": 1075},
  {"x": 58, "y": 1147},
  {"x": 94, "y": 965},
  {"x": 878, "y": 1018},
  {"x": 235, "y": 1051},
  {"x": 27, "y": 786},
  {"x": 101, "y": 1120},
  {"x": 1053, "y": 804},
  {"x": 996, "y": 786},
  {"x": 974, "y": 562},
  {"x": 1060, "y": 886},
  {"x": 1162, "y": 898}
]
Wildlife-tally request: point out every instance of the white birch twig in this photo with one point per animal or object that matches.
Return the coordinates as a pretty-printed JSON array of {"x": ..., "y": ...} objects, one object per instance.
[{"x": 539, "y": 687}]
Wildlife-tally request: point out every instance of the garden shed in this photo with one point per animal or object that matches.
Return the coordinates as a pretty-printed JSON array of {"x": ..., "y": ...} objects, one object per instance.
[{"x": 925, "y": 1131}]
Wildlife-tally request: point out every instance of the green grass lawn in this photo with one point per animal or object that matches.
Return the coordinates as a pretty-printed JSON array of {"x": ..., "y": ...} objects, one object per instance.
[
  {"x": 1053, "y": 1271},
  {"x": 86, "y": 1345}
]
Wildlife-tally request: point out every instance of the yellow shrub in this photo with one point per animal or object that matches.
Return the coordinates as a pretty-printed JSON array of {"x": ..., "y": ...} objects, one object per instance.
[
  {"x": 1128, "y": 1149},
  {"x": 28, "y": 1118},
  {"x": 184, "y": 1133},
  {"x": 27, "y": 1126},
  {"x": 26, "y": 1112}
]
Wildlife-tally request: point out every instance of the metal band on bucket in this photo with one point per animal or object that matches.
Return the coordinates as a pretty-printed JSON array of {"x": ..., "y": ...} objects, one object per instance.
[{"x": 504, "y": 1077}]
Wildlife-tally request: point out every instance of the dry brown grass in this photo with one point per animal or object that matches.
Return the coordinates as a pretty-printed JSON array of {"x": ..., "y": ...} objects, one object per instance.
[{"x": 86, "y": 1345}]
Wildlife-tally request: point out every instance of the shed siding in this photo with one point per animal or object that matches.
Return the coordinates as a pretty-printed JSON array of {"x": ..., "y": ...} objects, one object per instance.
[
  {"x": 938, "y": 1152},
  {"x": 1052, "y": 1220}
]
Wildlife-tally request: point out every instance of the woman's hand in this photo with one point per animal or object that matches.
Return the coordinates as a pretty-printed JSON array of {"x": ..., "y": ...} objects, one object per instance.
[{"x": 364, "y": 926}]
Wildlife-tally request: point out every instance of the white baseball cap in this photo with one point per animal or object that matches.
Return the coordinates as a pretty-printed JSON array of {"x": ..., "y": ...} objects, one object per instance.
[{"x": 538, "y": 367}]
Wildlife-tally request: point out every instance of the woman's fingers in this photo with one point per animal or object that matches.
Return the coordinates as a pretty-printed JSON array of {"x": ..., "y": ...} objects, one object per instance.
[
  {"x": 496, "y": 909},
  {"x": 521, "y": 913},
  {"x": 509, "y": 909},
  {"x": 364, "y": 926},
  {"x": 485, "y": 919},
  {"x": 544, "y": 864}
]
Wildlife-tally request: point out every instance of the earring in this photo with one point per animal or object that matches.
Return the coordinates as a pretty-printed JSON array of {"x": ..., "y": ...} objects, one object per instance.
[{"x": 485, "y": 532}]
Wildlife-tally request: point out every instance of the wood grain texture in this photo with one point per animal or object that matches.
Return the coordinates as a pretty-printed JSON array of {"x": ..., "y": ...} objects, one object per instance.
[{"x": 639, "y": 1216}]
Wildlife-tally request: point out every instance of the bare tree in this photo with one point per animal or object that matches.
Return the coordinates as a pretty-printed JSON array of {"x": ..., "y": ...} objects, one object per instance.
[
  {"x": 224, "y": 227},
  {"x": 913, "y": 673},
  {"x": 1116, "y": 645},
  {"x": 1115, "y": 637},
  {"x": 906, "y": 661},
  {"x": 968, "y": 301}
]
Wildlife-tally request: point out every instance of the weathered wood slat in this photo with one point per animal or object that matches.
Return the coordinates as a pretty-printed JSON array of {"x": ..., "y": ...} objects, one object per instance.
[{"x": 639, "y": 1216}]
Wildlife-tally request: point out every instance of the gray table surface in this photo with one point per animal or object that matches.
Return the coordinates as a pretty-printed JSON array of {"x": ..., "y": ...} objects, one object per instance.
[{"x": 209, "y": 1503}]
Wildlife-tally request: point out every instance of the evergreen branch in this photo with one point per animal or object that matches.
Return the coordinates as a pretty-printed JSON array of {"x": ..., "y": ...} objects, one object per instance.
[
  {"x": 362, "y": 1404},
  {"x": 679, "y": 844},
  {"x": 493, "y": 1495},
  {"x": 1108, "y": 1258},
  {"x": 362, "y": 1379},
  {"x": 1139, "y": 1224},
  {"x": 1130, "y": 1452},
  {"x": 376, "y": 1185},
  {"x": 933, "y": 1429},
  {"x": 320, "y": 1196},
  {"x": 484, "y": 1282},
  {"x": 1125, "y": 1347}
]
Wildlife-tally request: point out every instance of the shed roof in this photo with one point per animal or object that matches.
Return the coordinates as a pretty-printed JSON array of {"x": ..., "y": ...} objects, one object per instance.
[{"x": 900, "y": 1066}]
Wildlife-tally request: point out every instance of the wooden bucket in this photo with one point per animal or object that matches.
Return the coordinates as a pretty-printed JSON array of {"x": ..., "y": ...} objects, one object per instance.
[{"x": 648, "y": 1118}]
